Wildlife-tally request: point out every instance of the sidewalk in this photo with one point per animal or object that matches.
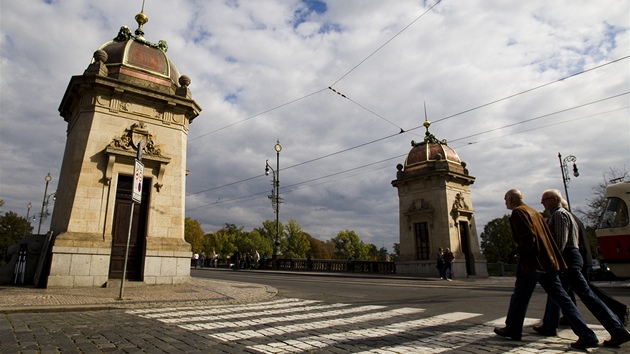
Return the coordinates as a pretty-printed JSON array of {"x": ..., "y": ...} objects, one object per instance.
[{"x": 199, "y": 291}]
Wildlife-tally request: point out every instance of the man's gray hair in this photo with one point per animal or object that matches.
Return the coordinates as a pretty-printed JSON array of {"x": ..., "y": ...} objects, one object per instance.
[{"x": 557, "y": 194}]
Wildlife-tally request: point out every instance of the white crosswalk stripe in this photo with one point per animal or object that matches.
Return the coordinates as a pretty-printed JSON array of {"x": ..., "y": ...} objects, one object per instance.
[
  {"x": 322, "y": 341},
  {"x": 295, "y": 326},
  {"x": 317, "y": 325}
]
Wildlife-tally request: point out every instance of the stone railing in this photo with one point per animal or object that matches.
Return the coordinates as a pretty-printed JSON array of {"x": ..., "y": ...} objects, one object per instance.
[
  {"x": 315, "y": 265},
  {"x": 340, "y": 266},
  {"x": 334, "y": 265}
]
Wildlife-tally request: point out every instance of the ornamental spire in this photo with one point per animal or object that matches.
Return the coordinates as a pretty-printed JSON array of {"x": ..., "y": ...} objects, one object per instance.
[{"x": 428, "y": 137}]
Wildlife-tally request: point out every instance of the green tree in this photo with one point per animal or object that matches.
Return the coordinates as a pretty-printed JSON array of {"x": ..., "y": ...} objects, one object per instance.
[
  {"x": 253, "y": 241},
  {"x": 12, "y": 229},
  {"x": 348, "y": 245},
  {"x": 296, "y": 244},
  {"x": 268, "y": 231},
  {"x": 372, "y": 253},
  {"x": 221, "y": 242},
  {"x": 497, "y": 244},
  {"x": 193, "y": 234}
]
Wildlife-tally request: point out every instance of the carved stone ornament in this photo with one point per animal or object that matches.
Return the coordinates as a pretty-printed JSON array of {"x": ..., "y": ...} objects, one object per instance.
[
  {"x": 135, "y": 135},
  {"x": 460, "y": 203},
  {"x": 421, "y": 206},
  {"x": 125, "y": 147},
  {"x": 125, "y": 34}
]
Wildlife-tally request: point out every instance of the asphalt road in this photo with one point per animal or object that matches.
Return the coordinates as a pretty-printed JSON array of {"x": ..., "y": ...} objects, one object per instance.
[{"x": 488, "y": 296}]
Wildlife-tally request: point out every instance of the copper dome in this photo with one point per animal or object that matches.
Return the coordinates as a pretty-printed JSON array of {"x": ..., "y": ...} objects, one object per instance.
[
  {"x": 427, "y": 152},
  {"x": 431, "y": 155},
  {"x": 134, "y": 58}
]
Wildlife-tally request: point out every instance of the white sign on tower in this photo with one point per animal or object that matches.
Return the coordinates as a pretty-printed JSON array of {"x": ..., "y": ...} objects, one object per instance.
[{"x": 138, "y": 175}]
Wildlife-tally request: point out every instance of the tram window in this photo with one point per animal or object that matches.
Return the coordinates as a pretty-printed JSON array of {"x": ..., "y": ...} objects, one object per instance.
[{"x": 616, "y": 214}]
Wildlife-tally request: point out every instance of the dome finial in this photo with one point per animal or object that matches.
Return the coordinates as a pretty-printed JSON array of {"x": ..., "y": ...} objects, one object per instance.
[
  {"x": 426, "y": 119},
  {"x": 141, "y": 19}
]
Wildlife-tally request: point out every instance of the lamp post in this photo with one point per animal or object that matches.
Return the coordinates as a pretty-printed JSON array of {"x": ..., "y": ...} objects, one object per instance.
[
  {"x": 565, "y": 173},
  {"x": 28, "y": 212},
  {"x": 41, "y": 216},
  {"x": 275, "y": 198}
]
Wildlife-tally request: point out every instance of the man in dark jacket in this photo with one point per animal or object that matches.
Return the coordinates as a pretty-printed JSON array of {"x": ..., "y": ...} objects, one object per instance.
[
  {"x": 565, "y": 231},
  {"x": 539, "y": 262}
]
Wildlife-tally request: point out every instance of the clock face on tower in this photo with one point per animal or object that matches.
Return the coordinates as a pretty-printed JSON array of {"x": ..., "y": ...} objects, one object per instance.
[{"x": 278, "y": 147}]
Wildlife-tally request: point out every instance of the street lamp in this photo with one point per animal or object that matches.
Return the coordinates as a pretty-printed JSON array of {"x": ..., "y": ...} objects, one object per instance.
[
  {"x": 565, "y": 173},
  {"x": 275, "y": 198},
  {"x": 28, "y": 211},
  {"x": 41, "y": 215}
]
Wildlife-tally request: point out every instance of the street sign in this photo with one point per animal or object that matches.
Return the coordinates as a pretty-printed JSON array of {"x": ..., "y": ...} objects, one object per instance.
[{"x": 138, "y": 175}]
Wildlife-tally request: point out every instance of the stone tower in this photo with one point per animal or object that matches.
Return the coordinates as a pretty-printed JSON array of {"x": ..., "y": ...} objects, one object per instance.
[
  {"x": 130, "y": 95},
  {"x": 435, "y": 209}
]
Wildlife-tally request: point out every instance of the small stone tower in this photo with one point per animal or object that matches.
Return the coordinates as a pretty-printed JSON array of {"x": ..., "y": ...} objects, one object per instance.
[
  {"x": 130, "y": 95},
  {"x": 435, "y": 209}
]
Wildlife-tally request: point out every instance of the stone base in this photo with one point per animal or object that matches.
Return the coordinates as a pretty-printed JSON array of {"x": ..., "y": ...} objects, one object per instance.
[{"x": 80, "y": 260}]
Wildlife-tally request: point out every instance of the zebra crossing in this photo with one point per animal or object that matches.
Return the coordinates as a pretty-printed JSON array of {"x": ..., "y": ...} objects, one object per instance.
[{"x": 303, "y": 326}]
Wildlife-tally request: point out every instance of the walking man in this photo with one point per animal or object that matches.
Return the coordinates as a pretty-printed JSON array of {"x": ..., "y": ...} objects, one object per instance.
[
  {"x": 565, "y": 233},
  {"x": 539, "y": 262}
]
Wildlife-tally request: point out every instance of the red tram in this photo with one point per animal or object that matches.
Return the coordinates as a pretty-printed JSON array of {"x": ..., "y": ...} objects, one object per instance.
[{"x": 613, "y": 232}]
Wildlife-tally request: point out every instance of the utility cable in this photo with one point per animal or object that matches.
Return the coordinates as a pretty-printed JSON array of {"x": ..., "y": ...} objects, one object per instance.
[
  {"x": 390, "y": 136},
  {"x": 316, "y": 92},
  {"x": 256, "y": 115},
  {"x": 386, "y": 43},
  {"x": 531, "y": 89}
]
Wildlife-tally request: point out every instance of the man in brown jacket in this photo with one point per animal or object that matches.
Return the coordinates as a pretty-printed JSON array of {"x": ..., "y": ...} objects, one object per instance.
[{"x": 539, "y": 262}]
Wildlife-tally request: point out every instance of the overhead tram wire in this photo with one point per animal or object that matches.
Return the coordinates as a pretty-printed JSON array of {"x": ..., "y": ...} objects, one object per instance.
[
  {"x": 252, "y": 196},
  {"x": 386, "y": 43},
  {"x": 529, "y": 90},
  {"x": 316, "y": 92},
  {"x": 544, "y": 115},
  {"x": 257, "y": 114},
  {"x": 365, "y": 108},
  {"x": 400, "y": 156},
  {"x": 532, "y": 129}
]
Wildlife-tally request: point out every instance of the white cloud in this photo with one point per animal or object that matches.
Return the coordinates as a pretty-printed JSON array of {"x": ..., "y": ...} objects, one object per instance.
[{"x": 260, "y": 71}]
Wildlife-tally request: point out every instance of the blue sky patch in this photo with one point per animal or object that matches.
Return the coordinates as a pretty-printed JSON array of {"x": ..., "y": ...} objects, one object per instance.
[{"x": 312, "y": 6}]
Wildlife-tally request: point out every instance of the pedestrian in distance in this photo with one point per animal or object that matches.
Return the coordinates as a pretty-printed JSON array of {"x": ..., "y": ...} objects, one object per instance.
[
  {"x": 202, "y": 259},
  {"x": 256, "y": 259},
  {"x": 539, "y": 262},
  {"x": 565, "y": 231},
  {"x": 440, "y": 263},
  {"x": 196, "y": 259},
  {"x": 448, "y": 264}
]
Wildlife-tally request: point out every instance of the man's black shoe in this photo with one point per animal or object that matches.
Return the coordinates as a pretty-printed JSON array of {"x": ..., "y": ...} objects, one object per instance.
[
  {"x": 584, "y": 345},
  {"x": 504, "y": 333},
  {"x": 617, "y": 340},
  {"x": 544, "y": 331}
]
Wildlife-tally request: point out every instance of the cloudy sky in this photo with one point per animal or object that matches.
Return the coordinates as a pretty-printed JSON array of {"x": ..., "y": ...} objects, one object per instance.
[{"x": 509, "y": 84}]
